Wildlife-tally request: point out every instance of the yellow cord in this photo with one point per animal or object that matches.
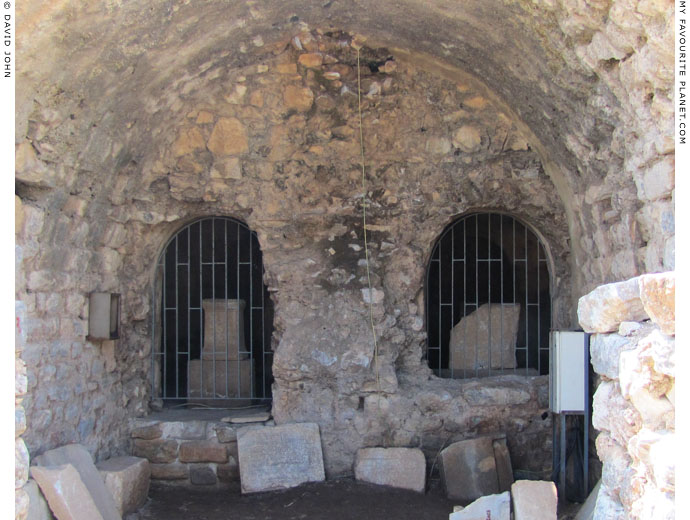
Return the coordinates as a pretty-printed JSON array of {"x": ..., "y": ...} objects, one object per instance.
[{"x": 364, "y": 225}]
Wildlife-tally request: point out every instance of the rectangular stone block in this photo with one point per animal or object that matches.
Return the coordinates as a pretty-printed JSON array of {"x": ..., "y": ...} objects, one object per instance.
[
  {"x": 67, "y": 495},
  {"x": 486, "y": 338},
  {"x": 203, "y": 374},
  {"x": 202, "y": 475},
  {"x": 468, "y": 469},
  {"x": 492, "y": 507},
  {"x": 159, "y": 451},
  {"x": 174, "y": 471},
  {"x": 203, "y": 451},
  {"x": 534, "y": 500},
  {"x": 396, "y": 467},
  {"x": 279, "y": 457},
  {"x": 148, "y": 433},
  {"x": 127, "y": 479},
  {"x": 77, "y": 456}
]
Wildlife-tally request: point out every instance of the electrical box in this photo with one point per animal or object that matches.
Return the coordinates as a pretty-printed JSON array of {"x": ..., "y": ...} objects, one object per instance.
[
  {"x": 104, "y": 316},
  {"x": 568, "y": 371}
]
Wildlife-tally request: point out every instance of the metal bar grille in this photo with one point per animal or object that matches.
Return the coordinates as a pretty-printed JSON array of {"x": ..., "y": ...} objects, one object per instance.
[
  {"x": 492, "y": 314},
  {"x": 208, "y": 345}
]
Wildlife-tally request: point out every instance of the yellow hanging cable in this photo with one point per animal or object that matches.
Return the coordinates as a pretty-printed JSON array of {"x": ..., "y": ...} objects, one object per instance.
[{"x": 364, "y": 226}]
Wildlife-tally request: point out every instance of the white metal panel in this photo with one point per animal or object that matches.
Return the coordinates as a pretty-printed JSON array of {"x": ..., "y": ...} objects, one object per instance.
[{"x": 567, "y": 375}]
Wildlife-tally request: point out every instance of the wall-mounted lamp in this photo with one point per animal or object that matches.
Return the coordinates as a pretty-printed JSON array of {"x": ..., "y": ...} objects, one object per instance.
[{"x": 104, "y": 316}]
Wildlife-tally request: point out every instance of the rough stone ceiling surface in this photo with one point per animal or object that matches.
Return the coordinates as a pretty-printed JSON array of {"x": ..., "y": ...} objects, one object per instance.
[{"x": 590, "y": 80}]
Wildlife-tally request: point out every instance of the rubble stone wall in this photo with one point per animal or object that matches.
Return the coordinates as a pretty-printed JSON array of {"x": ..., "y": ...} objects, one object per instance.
[
  {"x": 634, "y": 404},
  {"x": 276, "y": 144},
  {"x": 126, "y": 131}
]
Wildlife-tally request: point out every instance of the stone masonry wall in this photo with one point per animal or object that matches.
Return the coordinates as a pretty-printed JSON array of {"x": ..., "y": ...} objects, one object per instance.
[
  {"x": 21, "y": 453},
  {"x": 634, "y": 404},
  {"x": 275, "y": 143},
  {"x": 198, "y": 452}
]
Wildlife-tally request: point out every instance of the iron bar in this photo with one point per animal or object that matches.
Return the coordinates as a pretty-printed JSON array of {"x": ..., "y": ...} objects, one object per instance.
[
  {"x": 202, "y": 332},
  {"x": 237, "y": 298},
  {"x": 476, "y": 292},
  {"x": 526, "y": 306},
  {"x": 213, "y": 305},
  {"x": 177, "y": 326},
  {"x": 225, "y": 294},
  {"x": 440, "y": 314}
]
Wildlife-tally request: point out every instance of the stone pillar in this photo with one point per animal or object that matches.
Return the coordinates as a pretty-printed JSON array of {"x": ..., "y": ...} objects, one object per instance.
[
  {"x": 224, "y": 370},
  {"x": 223, "y": 329}
]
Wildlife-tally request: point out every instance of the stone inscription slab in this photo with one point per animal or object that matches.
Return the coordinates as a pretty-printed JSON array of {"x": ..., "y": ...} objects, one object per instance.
[
  {"x": 279, "y": 457},
  {"x": 486, "y": 338},
  {"x": 397, "y": 467}
]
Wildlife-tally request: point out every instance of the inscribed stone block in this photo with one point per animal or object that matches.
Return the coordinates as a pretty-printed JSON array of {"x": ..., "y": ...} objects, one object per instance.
[
  {"x": 534, "y": 500},
  {"x": 66, "y": 493},
  {"x": 396, "y": 467},
  {"x": 80, "y": 458},
  {"x": 468, "y": 469},
  {"x": 127, "y": 479},
  {"x": 486, "y": 338},
  {"x": 494, "y": 507},
  {"x": 279, "y": 457}
]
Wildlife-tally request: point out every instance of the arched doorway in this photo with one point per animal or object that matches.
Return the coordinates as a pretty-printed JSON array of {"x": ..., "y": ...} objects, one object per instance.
[
  {"x": 213, "y": 316},
  {"x": 488, "y": 302}
]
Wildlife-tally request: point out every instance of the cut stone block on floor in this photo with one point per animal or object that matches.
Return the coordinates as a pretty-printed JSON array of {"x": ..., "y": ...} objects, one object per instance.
[
  {"x": 279, "y": 457},
  {"x": 38, "y": 507},
  {"x": 586, "y": 512},
  {"x": 495, "y": 507},
  {"x": 67, "y": 495},
  {"x": 396, "y": 467},
  {"x": 468, "y": 469},
  {"x": 534, "y": 500},
  {"x": 504, "y": 468},
  {"x": 80, "y": 458},
  {"x": 127, "y": 479}
]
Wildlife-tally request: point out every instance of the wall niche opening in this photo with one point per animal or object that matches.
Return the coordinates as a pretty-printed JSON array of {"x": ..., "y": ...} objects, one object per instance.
[
  {"x": 488, "y": 299},
  {"x": 213, "y": 317}
]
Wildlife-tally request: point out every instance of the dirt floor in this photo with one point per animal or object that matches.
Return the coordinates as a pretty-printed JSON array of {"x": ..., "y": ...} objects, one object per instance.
[{"x": 333, "y": 500}]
